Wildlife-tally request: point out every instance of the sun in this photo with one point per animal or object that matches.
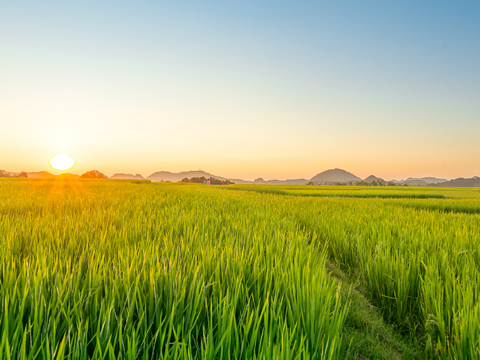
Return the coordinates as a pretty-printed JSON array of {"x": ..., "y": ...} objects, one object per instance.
[{"x": 62, "y": 162}]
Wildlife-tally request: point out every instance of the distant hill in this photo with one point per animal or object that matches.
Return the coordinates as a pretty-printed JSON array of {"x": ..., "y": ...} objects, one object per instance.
[
  {"x": 333, "y": 176},
  {"x": 94, "y": 174},
  {"x": 9, "y": 174},
  {"x": 280, "y": 182},
  {"x": 127, "y": 176},
  {"x": 4, "y": 173},
  {"x": 429, "y": 180},
  {"x": 373, "y": 178},
  {"x": 329, "y": 177},
  {"x": 47, "y": 175},
  {"x": 40, "y": 174},
  {"x": 176, "y": 177},
  {"x": 425, "y": 181},
  {"x": 460, "y": 182},
  {"x": 415, "y": 182}
]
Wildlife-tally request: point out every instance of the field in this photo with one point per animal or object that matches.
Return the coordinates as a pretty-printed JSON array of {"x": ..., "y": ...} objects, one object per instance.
[{"x": 105, "y": 269}]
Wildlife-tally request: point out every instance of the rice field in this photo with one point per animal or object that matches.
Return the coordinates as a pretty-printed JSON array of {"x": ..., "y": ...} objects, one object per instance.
[{"x": 105, "y": 269}]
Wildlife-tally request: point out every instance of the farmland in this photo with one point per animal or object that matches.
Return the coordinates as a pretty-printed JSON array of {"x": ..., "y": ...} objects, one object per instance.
[{"x": 108, "y": 269}]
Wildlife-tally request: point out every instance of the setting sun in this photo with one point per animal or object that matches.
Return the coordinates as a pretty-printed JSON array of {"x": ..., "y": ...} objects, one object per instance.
[{"x": 62, "y": 162}]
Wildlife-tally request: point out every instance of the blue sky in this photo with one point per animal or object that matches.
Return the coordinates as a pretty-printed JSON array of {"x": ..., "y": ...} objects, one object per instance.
[{"x": 242, "y": 89}]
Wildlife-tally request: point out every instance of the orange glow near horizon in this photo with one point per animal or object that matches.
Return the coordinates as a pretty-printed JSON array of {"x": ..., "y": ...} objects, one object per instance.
[{"x": 62, "y": 162}]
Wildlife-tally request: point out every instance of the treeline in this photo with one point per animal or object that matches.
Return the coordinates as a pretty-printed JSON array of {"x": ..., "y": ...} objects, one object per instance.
[
  {"x": 204, "y": 180},
  {"x": 379, "y": 182},
  {"x": 94, "y": 174},
  {"x": 23, "y": 174}
]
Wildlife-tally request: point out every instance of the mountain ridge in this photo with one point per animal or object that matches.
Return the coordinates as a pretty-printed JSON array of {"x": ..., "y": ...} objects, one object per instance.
[
  {"x": 460, "y": 182},
  {"x": 332, "y": 176},
  {"x": 327, "y": 177},
  {"x": 373, "y": 178}
]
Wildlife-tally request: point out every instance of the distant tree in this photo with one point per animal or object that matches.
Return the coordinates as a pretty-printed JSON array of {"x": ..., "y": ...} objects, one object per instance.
[
  {"x": 199, "y": 180},
  {"x": 374, "y": 183},
  {"x": 185, "y": 180},
  {"x": 94, "y": 174},
  {"x": 310, "y": 183},
  {"x": 214, "y": 181},
  {"x": 23, "y": 174},
  {"x": 391, "y": 183}
]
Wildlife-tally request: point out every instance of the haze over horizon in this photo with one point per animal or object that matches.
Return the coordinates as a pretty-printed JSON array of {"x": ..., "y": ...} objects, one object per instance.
[
  {"x": 194, "y": 172},
  {"x": 242, "y": 90}
]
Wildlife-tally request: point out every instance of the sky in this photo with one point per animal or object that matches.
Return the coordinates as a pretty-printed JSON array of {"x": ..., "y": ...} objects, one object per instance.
[{"x": 242, "y": 89}]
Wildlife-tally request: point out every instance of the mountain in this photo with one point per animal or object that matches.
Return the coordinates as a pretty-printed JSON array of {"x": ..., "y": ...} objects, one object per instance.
[
  {"x": 460, "y": 182},
  {"x": 329, "y": 177},
  {"x": 127, "y": 176},
  {"x": 4, "y": 173},
  {"x": 332, "y": 176},
  {"x": 425, "y": 181},
  {"x": 94, "y": 174},
  {"x": 428, "y": 180},
  {"x": 47, "y": 175},
  {"x": 40, "y": 175},
  {"x": 373, "y": 178},
  {"x": 414, "y": 182}
]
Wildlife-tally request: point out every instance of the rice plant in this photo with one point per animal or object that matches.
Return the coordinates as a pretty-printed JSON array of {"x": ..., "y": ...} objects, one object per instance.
[
  {"x": 131, "y": 270},
  {"x": 116, "y": 270}
]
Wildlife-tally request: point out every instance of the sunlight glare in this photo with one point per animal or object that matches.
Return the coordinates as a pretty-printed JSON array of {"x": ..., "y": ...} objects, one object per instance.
[{"x": 62, "y": 162}]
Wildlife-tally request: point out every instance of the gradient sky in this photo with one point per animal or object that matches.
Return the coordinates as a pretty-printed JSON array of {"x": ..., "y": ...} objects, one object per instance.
[{"x": 243, "y": 89}]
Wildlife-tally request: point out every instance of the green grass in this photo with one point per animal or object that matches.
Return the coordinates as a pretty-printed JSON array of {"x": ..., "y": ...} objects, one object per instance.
[
  {"x": 420, "y": 267},
  {"x": 331, "y": 191},
  {"x": 467, "y": 206},
  {"x": 99, "y": 269},
  {"x": 112, "y": 270}
]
